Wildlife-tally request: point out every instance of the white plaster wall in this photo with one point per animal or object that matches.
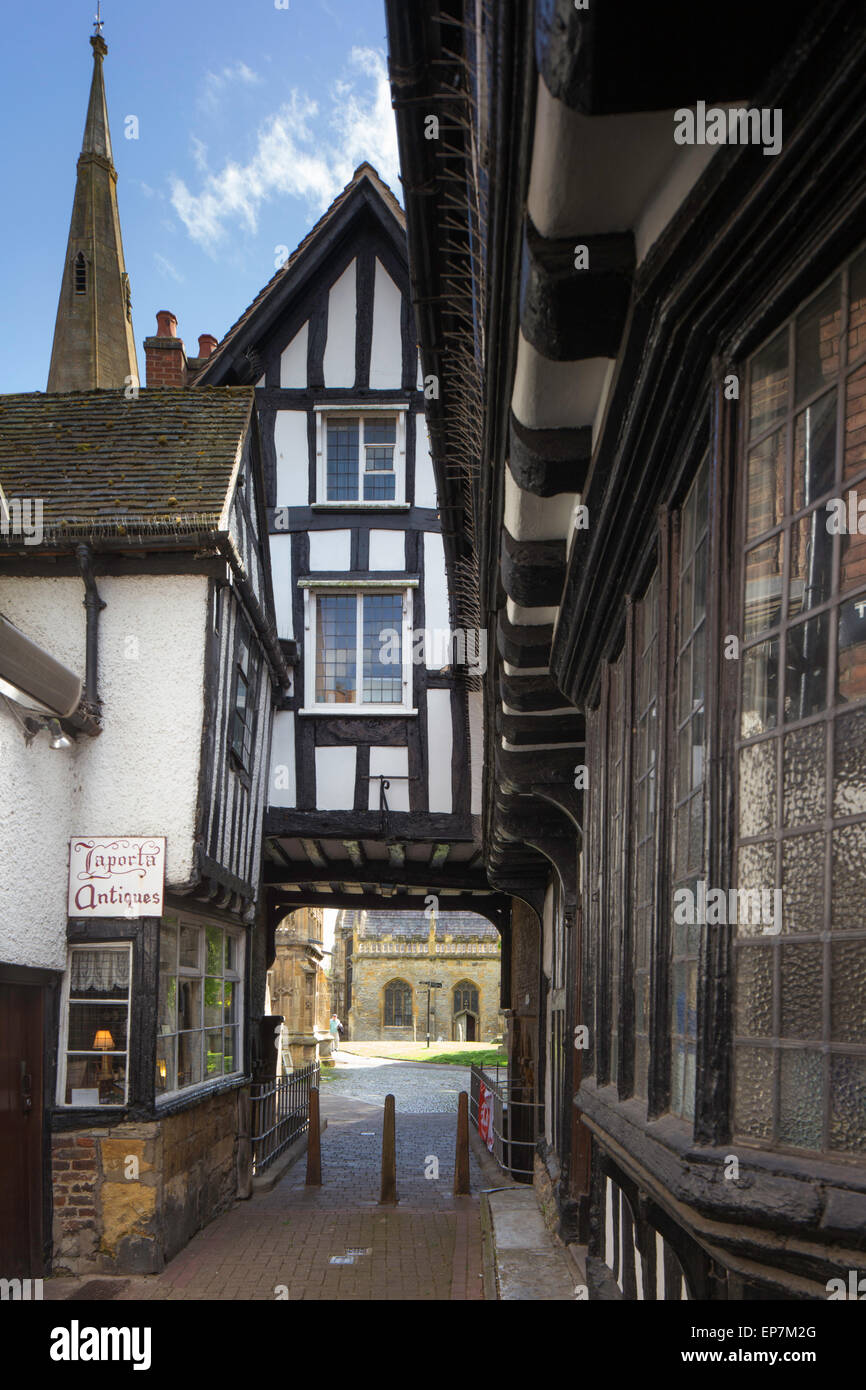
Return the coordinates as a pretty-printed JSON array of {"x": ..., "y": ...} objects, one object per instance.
[
  {"x": 139, "y": 777},
  {"x": 339, "y": 362},
  {"x": 435, "y": 595},
  {"x": 440, "y": 743},
  {"x": 390, "y": 762},
  {"x": 387, "y": 550},
  {"x": 293, "y": 360},
  {"x": 425, "y": 482},
  {"x": 330, "y": 550},
  {"x": 386, "y": 356},
  {"x": 293, "y": 458},
  {"x": 335, "y": 778},
  {"x": 281, "y": 577},
  {"x": 283, "y": 761}
]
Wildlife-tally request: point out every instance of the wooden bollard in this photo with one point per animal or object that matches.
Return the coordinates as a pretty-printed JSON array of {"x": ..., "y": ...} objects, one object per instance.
[
  {"x": 314, "y": 1142},
  {"x": 388, "y": 1190},
  {"x": 461, "y": 1156}
]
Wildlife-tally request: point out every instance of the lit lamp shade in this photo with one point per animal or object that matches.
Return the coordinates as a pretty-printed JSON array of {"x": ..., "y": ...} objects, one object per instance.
[{"x": 103, "y": 1040}]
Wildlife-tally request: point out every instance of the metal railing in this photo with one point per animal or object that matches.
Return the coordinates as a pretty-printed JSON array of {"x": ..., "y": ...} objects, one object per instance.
[
  {"x": 513, "y": 1133},
  {"x": 280, "y": 1113}
]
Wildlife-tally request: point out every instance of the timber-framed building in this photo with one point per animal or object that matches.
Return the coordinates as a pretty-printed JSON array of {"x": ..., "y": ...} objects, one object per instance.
[{"x": 661, "y": 337}]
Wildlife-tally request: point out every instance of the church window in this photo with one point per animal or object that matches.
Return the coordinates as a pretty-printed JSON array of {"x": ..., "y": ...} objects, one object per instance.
[
  {"x": 465, "y": 997},
  {"x": 398, "y": 1004}
]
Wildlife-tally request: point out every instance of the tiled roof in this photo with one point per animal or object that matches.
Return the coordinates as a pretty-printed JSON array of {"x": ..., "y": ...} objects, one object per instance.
[
  {"x": 414, "y": 926},
  {"x": 363, "y": 171},
  {"x": 105, "y": 466}
]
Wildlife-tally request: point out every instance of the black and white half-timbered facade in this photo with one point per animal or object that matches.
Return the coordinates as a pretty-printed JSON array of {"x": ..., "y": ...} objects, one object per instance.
[
  {"x": 374, "y": 793},
  {"x": 653, "y": 307},
  {"x": 131, "y": 816}
]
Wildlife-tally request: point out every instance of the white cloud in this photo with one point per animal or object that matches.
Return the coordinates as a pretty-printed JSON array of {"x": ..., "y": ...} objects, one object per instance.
[
  {"x": 299, "y": 154},
  {"x": 215, "y": 83},
  {"x": 166, "y": 267}
]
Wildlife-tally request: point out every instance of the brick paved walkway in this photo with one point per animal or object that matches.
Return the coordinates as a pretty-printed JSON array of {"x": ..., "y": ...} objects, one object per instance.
[{"x": 280, "y": 1244}]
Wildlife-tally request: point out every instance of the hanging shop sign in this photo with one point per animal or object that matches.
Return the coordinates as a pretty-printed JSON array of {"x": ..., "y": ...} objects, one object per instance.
[{"x": 116, "y": 876}]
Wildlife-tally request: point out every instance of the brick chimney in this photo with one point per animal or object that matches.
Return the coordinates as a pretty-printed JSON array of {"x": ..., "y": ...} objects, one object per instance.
[
  {"x": 164, "y": 355},
  {"x": 206, "y": 344}
]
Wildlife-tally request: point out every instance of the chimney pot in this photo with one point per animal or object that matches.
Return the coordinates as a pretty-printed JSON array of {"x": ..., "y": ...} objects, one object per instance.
[
  {"x": 166, "y": 324},
  {"x": 206, "y": 344}
]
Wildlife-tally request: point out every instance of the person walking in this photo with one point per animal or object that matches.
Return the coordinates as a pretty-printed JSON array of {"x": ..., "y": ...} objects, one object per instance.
[{"x": 335, "y": 1028}]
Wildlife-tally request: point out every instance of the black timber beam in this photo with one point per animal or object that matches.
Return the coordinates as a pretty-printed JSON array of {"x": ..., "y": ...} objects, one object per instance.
[
  {"x": 533, "y": 729},
  {"x": 494, "y": 906},
  {"x": 406, "y": 875},
  {"x": 530, "y": 694},
  {"x": 547, "y": 462},
  {"x": 533, "y": 572},
  {"x": 406, "y": 826},
  {"x": 610, "y": 58},
  {"x": 567, "y": 313},
  {"x": 523, "y": 644}
]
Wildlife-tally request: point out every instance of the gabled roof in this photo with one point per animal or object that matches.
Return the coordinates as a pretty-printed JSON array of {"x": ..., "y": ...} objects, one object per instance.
[
  {"x": 364, "y": 181},
  {"x": 108, "y": 467}
]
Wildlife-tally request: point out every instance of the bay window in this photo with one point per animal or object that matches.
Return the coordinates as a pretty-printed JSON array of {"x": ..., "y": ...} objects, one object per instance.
[
  {"x": 800, "y": 1020},
  {"x": 199, "y": 1009}
]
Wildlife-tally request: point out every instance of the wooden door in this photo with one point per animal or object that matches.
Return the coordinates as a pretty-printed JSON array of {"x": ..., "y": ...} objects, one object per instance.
[{"x": 21, "y": 1008}]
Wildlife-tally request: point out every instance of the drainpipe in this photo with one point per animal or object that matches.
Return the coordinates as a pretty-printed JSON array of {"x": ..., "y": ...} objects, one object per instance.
[{"x": 94, "y": 605}]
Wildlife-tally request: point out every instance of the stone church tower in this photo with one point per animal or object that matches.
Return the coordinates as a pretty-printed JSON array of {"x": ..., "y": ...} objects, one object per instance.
[{"x": 94, "y": 348}]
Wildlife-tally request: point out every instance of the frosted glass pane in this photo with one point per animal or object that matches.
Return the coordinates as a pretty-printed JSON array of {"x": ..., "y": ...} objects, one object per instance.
[
  {"x": 848, "y": 1111},
  {"x": 754, "y": 992},
  {"x": 849, "y": 877},
  {"x": 804, "y": 774},
  {"x": 800, "y": 1099},
  {"x": 850, "y": 778},
  {"x": 803, "y": 883},
  {"x": 758, "y": 788},
  {"x": 802, "y": 976},
  {"x": 848, "y": 991},
  {"x": 756, "y": 870},
  {"x": 753, "y": 1092}
]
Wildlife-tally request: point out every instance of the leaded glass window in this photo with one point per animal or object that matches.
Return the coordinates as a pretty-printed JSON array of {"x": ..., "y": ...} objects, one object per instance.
[
  {"x": 800, "y": 1015},
  {"x": 689, "y": 691},
  {"x": 645, "y": 757},
  {"x": 361, "y": 458},
  {"x": 359, "y": 633},
  {"x": 398, "y": 1004}
]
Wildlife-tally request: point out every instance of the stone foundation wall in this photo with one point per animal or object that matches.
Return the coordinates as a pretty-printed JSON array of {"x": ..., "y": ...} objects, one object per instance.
[
  {"x": 372, "y": 973},
  {"x": 128, "y": 1198}
]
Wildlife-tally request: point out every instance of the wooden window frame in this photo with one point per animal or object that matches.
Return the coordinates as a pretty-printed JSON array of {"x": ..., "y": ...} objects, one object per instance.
[{"x": 364, "y": 411}]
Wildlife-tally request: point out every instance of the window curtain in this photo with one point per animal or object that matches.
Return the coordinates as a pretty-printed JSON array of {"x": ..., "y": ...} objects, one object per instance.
[{"x": 101, "y": 971}]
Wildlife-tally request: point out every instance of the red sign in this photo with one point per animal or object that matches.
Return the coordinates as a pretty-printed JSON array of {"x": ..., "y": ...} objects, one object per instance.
[{"x": 485, "y": 1115}]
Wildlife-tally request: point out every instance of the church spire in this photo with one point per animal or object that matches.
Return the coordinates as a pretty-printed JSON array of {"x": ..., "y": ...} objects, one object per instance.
[{"x": 94, "y": 347}]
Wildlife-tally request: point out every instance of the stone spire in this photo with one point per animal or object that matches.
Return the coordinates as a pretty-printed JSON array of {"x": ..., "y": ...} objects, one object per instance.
[{"x": 94, "y": 346}]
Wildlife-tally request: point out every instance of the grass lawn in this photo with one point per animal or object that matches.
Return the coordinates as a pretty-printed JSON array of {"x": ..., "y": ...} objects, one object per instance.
[{"x": 454, "y": 1053}]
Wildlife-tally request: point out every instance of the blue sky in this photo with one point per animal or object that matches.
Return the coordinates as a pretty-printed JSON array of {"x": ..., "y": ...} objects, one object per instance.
[{"x": 250, "y": 118}]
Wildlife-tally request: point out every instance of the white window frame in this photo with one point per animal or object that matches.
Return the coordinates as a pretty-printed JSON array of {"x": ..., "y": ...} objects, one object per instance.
[
  {"x": 64, "y": 1028},
  {"x": 364, "y": 411},
  {"x": 189, "y": 972},
  {"x": 358, "y": 587}
]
